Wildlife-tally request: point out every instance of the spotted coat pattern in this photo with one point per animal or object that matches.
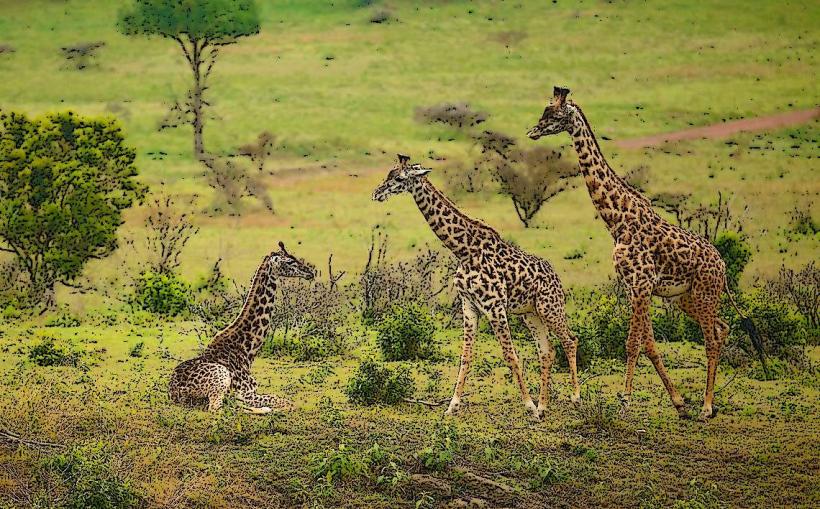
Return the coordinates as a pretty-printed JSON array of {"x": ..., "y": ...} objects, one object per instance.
[
  {"x": 225, "y": 365},
  {"x": 651, "y": 255},
  {"x": 495, "y": 279}
]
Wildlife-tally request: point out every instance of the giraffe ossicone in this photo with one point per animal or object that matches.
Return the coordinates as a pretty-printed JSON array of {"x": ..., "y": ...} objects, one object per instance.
[
  {"x": 651, "y": 255},
  {"x": 225, "y": 364},
  {"x": 495, "y": 279}
]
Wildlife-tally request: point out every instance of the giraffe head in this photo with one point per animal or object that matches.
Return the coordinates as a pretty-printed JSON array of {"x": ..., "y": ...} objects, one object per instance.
[
  {"x": 400, "y": 179},
  {"x": 557, "y": 116},
  {"x": 283, "y": 264}
]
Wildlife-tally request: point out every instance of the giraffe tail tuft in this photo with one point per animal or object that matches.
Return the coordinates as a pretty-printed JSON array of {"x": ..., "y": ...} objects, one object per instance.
[{"x": 748, "y": 326}]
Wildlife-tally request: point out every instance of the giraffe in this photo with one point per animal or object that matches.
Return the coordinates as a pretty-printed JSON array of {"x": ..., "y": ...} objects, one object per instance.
[
  {"x": 651, "y": 255},
  {"x": 494, "y": 278},
  {"x": 226, "y": 363}
]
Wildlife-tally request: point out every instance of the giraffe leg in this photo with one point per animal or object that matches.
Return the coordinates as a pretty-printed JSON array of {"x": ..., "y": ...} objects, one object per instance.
[
  {"x": 245, "y": 387},
  {"x": 702, "y": 304},
  {"x": 470, "y": 314},
  {"x": 556, "y": 321},
  {"x": 546, "y": 356},
  {"x": 501, "y": 328},
  {"x": 640, "y": 333}
]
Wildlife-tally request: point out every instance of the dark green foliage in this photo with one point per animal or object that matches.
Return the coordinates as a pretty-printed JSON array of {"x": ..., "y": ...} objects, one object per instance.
[
  {"x": 736, "y": 253},
  {"x": 90, "y": 482},
  {"x": 337, "y": 465},
  {"x": 48, "y": 353},
  {"x": 782, "y": 330},
  {"x": 406, "y": 333},
  {"x": 217, "y": 21},
  {"x": 64, "y": 181},
  {"x": 137, "y": 349},
  {"x": 374, "y": 383},
  {"x": 162, "y": 294},
  {"x": 441, "y": 452},
  {"x": 601, "y": 324}
]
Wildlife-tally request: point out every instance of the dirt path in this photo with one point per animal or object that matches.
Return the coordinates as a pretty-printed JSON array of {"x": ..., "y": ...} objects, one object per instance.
[{"x": 725, "y": 128}]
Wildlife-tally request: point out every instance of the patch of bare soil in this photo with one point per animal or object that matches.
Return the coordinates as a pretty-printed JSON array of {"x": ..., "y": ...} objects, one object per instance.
[{"x": 724, "y": 129}]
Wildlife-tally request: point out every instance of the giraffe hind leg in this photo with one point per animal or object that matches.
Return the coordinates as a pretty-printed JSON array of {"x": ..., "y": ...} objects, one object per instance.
[
  {"x": 546, "y": 356},
  {"x": 701, "y": 304}
]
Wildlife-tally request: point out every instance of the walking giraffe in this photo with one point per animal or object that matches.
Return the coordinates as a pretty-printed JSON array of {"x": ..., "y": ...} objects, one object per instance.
[
  {"x": 651, "y": 255},
  {"x": 226, "y": 363},
  {"x": 494, "y": 278}
]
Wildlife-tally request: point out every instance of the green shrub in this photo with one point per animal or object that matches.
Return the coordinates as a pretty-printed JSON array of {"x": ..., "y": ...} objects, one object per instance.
[
  {"x": 337, "y": 465},
  {"x": 406, "y": 333},
  {"x": 783, "y": 331},
  {"x": 442, "y": 450},
  {"x": 136, "y": 350},
  {"x": 736, "y": 253},
  {"x": 90, "y": 482},
  {"x": 48, "y": 353},
  {"x": 601, "y": 325},
  {"x": 373, "y": 383},
  {"x": 161, "y": 293},
  {"x": 64, "y": 319}
]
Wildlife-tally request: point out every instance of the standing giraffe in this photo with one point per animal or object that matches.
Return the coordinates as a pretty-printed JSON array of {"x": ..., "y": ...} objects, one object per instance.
[
  {"x": 494, "y": 278},
  {"x": 226, "y": 362},
  {"x": 651, "y": 255}
]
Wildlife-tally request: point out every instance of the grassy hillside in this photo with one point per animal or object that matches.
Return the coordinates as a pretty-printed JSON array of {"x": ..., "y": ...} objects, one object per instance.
[{"x": 340, "y": 91}]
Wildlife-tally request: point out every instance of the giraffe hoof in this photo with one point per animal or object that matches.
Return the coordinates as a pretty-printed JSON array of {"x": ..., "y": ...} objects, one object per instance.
[{"x": 708, "y": 413}]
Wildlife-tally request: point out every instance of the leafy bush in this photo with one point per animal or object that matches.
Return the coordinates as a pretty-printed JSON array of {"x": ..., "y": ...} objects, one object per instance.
[
  {"x": 66, "y": 180},
  {"x": 136, "y": 350},
  {"x": 337, "y": 465},
  {"x": 736, "y": 253},
  {"x": 442, "y": 450},
  {"x": 801, "y": 288},
  {"x": 783, "y": 331},
  {"x": 406, "y": 333},
  {"x": 48, "y": 353},
  {"x": 373, "y": 384},
  {"x": 161, "y": 293},
  {"x": 90, "y": 482},
  {"x": 601, "y": 325}
]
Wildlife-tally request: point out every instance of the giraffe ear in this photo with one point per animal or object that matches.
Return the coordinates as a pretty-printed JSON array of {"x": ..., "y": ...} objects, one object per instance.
[
  {"x": 417, "y": 170},
  {"x": 560, "y": 94}
]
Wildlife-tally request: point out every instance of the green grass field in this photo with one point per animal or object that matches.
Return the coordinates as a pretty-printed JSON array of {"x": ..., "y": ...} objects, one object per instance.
[
  {"x": 636, "y": 70},
  {"x": 340, "y": 92}
]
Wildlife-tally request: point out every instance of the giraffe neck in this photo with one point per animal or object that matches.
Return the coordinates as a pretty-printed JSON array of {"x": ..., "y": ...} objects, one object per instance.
[
  {"x": 617, "y": 202},
  {"x": 242, "y": 339},
  {"x": 451, "y": 226}
]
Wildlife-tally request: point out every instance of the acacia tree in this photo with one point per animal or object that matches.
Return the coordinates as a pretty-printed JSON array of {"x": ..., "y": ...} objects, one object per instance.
[
  {"x": 200, "y": 28},
  {"x": 64, "y": 181}
]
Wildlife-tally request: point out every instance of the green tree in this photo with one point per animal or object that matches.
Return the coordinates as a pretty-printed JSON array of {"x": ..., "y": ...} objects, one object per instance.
[
  {"x": 736, "y": 252},
  {"x": 200, "y": 28},
  {"x": 64, "y": 181}
]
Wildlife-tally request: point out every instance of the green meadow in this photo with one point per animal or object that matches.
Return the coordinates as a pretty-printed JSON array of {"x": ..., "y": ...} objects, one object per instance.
[{"x": 339, "y": 93}]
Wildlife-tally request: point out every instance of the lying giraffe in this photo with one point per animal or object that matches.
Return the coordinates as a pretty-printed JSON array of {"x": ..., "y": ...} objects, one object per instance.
[
  {"x": 226, "y": 363},
  {"x": 494, "y": 278},
  {"x": 651, "y": 255}
]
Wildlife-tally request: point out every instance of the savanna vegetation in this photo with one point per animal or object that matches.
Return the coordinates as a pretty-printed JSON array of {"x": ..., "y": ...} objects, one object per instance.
[{"x": 153, "y": 151}]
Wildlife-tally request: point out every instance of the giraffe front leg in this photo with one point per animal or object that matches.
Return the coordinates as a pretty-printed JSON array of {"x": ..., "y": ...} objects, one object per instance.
[
  {"x": 245, "y": 387},
  {"x": 470, "y": 329},
  {"x": 498, "y": 321}
]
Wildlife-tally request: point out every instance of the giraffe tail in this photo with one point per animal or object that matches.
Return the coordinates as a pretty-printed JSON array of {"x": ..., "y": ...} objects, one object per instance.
[{"x": 748, "y": 326}]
